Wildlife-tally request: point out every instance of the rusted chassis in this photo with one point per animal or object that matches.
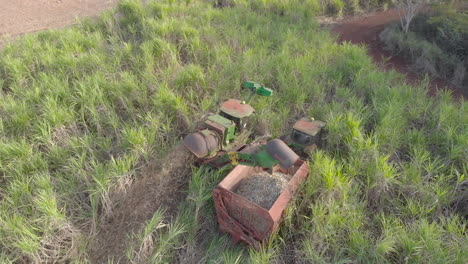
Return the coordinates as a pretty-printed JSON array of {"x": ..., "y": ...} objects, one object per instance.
[
  {"x": 245, "y": 220},
  {"x": 217, "y": 161}
]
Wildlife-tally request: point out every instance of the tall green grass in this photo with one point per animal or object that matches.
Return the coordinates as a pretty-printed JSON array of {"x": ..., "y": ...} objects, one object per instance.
[{"x": 84, "y": 108}]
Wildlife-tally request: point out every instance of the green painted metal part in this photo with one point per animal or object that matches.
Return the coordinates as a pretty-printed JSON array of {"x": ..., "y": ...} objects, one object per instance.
[
  {"x": 256, "y": 89},
  {"x": 226, "y": 123},
  {"x": 263, "y": 159},
  {"x": 267, "y": 156},
  {"x": 260, "y": 159},
  {"x": 230, "y": 134},
  {"x": 221, "y": 120}
]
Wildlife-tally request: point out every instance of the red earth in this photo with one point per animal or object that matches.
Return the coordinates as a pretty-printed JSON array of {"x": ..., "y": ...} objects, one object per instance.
[
  {"x": 366, "y": 29},
  {"x": 18, "y": 17}
]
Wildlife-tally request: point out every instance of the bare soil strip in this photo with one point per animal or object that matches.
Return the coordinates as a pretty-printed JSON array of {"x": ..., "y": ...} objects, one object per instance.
[
  {"x": 366, "y": 29},
  {"x": 163, "y": 185},
  {"x": 22, "y": 16}
]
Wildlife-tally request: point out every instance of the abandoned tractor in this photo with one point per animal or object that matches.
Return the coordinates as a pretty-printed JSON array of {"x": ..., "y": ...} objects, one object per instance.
[{"x": 222, "y": 140}]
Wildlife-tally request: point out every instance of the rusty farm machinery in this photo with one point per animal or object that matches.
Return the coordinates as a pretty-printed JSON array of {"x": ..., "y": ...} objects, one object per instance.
[{"x": 221, "y": 140}]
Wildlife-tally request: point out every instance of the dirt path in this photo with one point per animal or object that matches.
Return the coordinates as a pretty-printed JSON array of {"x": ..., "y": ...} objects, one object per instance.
[
  {"x": 162, "y": 185},
  {"x": 22, "y": 16},
  {"x": 365, "y": 30}
]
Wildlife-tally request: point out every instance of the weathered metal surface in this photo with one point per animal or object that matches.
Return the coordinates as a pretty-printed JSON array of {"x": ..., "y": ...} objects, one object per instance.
[
  {"x": 203, "y": 143},
  {"x": 236, "y": 108},
  {"x": 221, "y": 130},
  {"x": 218, "y": 161},
  {"x": 222, "y": 126},
  {"x": 278, "y": 150},
  {"x": 308, "y": 126},
  {"x": 245, "y": 220},
  {"x": 221, "y": 120}
]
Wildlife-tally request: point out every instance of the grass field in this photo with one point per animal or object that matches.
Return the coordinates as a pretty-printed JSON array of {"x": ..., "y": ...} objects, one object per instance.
[{"x": 83, "y": 109}]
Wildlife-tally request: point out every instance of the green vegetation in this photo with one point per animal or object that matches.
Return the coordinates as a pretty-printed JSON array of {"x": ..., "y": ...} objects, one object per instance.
[
  {"x": 84, "y": 108},
  {"x": 436, "y": 43},
  {"x": 309, "y": 7}
]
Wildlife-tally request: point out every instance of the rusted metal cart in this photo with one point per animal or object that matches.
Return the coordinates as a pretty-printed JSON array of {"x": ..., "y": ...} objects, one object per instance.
[{"x": 245, "y": 220}]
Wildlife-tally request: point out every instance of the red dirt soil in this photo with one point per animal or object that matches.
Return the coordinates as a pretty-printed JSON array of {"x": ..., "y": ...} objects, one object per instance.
[
  {"x": 21, "y": 16},
  {"x": 366, "y": 29}
]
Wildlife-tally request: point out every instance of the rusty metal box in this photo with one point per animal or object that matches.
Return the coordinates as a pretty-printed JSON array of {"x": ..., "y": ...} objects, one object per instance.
[{"x": 245, "y": 220}]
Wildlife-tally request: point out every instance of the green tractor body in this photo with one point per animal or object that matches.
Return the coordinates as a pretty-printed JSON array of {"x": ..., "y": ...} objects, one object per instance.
[
  {"x": 219, "y": 140},
  {"x": 225, "y": 126},
  {"x": 216, "y": 142},
  {"x": 221, "y": 130}
]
